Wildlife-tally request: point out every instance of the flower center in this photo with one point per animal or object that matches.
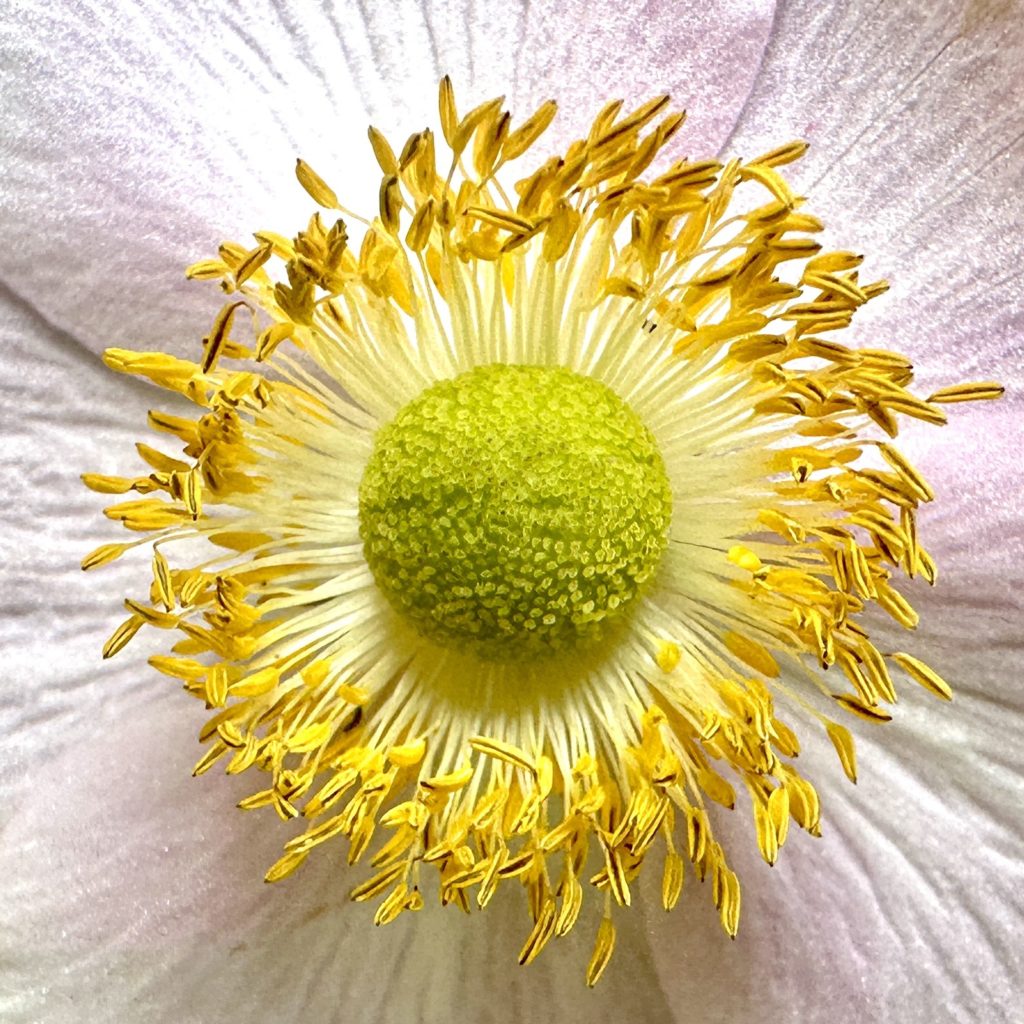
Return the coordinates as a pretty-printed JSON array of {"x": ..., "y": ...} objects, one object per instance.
[{"x": 514, "y": 511}]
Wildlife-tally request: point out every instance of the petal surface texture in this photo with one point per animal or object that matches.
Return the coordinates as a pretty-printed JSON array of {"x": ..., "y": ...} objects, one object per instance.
[
  {"x": 911, "y": 907},
  {"x": 139, "y": 136}
]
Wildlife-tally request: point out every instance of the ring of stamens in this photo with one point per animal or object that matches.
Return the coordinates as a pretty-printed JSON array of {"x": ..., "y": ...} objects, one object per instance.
[{"x": 700, "y": 295}]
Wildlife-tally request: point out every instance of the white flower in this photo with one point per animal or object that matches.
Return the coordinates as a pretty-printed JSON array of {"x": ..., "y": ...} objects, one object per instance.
[{"x": 138, "y": 137}]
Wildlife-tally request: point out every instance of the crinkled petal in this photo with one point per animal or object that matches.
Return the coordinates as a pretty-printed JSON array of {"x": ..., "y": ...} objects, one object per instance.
[
  {"x": 910, "y": 908},
  {"x": 915, "y": 115},
  {"x": 911, "y": 905},
  {"x": 61, "y": 413},
  {"x": 131, "y": 890},
  {"x": 138, "y": 136},
  {"x": 976, "y": 525}
]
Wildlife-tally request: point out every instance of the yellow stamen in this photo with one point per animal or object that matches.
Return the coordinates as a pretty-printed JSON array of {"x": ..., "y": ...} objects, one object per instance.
[{"x": 698, "y": 297}]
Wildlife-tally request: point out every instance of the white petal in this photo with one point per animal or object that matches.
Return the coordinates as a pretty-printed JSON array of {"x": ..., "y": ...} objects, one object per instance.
[
  {"x": 976, "y": 525},
  {"x": 141, "y": 135},
  {"x": 133, "y": 891},
  {"x": 61, "y": 413},
  {"x": 915, "y": 115},
  {"x": 909, "y": 907}
]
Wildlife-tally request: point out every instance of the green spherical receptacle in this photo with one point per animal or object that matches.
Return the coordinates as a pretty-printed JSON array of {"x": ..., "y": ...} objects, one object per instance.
[{"x": 514, "y": 511}]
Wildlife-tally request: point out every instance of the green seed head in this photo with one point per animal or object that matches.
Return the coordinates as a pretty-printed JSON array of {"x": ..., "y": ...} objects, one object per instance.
[{"x": 514, "y": 511}]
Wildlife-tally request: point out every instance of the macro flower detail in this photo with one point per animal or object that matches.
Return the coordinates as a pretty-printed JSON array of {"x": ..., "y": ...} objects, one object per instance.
[
  {"x": 513, "y": 511},
  {"x": 530, "y": 516}
]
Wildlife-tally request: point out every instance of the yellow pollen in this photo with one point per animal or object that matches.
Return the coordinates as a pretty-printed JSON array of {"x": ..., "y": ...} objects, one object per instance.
[{"x": 750, "y": 510}]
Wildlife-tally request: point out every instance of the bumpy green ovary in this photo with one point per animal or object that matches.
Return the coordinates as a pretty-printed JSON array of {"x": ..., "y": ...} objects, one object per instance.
[{"x": 514, "y": 511}]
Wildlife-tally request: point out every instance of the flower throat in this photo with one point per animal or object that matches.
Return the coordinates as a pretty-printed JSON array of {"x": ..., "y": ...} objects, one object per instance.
[{"x": 514, "y": 511}]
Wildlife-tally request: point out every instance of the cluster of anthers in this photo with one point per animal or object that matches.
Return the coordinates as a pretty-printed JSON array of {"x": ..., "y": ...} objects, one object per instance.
[{"x": 528, "y": 512}]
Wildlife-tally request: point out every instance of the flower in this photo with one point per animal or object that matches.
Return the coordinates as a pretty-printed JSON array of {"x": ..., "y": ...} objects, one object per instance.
[
  {"x": 604, "y": 466},
  {"x": 850, "y": 920}
]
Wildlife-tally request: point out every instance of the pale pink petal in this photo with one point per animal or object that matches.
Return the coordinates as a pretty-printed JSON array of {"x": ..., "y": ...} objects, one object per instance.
[
  {"x": 138, "y": 136},
  {"x": 910, "y": 908},
  {"x": 133, "y": 891},
  {"x": 915, "y": 115},
  {"x": 61, "y": 413}
]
